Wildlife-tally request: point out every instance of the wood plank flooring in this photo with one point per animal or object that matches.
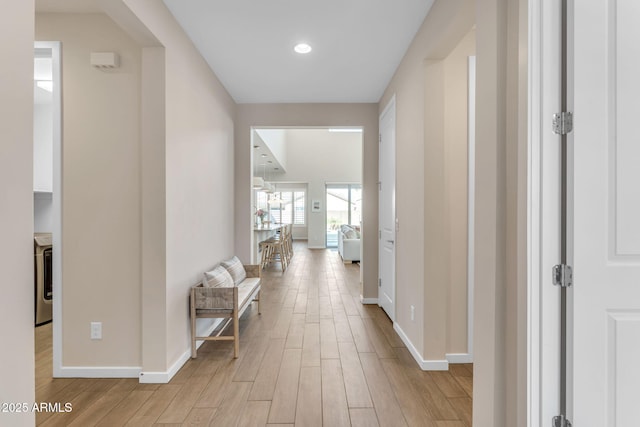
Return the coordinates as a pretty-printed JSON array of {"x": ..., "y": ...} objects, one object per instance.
[{"x": 315, "y": 357}]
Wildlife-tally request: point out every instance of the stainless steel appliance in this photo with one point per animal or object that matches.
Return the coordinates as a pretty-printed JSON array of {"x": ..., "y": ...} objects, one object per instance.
[{"x": 43, "y": 278}]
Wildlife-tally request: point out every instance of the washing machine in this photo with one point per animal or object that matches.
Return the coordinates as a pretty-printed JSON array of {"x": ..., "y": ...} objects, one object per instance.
[{"x": 43, "y": 278}]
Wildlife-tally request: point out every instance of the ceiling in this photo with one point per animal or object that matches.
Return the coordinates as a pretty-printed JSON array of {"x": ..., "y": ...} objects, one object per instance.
[{"x": 357, "y": 45}]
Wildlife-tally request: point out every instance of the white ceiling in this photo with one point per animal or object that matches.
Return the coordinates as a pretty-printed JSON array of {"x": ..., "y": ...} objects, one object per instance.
[{"x": 357, "y": 45}]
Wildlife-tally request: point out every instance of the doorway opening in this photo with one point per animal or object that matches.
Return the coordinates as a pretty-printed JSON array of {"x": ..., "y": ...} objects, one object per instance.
[
  {"x": 47, "y": 214},
  {"x": 344, "y": 208},
  {"x": 291, "y": 170}
]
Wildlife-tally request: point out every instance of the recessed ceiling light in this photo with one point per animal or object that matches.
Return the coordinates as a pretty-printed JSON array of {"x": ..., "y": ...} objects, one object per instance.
[
  {"x": 302, "y": 48},
  {"x": 257, "y": 147},
  {"x": 269, "y": 161},
  {"x": 264, "y": 155}
]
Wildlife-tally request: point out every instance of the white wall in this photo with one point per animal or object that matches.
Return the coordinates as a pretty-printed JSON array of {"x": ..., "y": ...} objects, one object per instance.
[
  {"x": 43, "y": 143},
  {"x": 16, "y": 207},
  {"x": 43, "y": 162},
  {"x": 276, "y": 141},
  {"x": 317, "y": 157},
  {"x": 42, "y": 212}
]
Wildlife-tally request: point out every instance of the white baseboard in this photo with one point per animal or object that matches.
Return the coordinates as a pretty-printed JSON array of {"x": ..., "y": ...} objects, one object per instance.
[
  {"x": 163, "y": 377},
  {"x": 460, "y": 358},
  {"x": 98, "y": 372},
  {"x": 425, "y": 365},
  {"x": 368, "y": 300},
  {"x": 316, "y": 247}
]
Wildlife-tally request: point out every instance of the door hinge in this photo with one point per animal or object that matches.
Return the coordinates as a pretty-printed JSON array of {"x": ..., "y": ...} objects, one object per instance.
[
  {"x": 561, "y": 421},
  {"x": 379, "y": 234},
  {"x": 380, "y": 283},
  {"x": 562, "y": 123},
  {"x": 379, "y": 137},
  {"x": 562, "y": 275}
]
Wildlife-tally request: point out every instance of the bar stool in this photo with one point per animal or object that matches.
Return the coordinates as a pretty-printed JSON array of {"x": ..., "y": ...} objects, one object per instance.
[
  {"x": 273, "y": 251},
  {"x": 288, "y": 241},
  {"x": 265, "y": 248}
]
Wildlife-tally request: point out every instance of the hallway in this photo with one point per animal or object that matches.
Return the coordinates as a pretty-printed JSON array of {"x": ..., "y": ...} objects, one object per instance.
[{"x": 315, "y": 356}]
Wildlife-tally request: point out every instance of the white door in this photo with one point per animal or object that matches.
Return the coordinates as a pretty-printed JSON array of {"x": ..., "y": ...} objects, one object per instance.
[
  {"x": 387, "y": 210},
  {"x": 606, "y": 214}
]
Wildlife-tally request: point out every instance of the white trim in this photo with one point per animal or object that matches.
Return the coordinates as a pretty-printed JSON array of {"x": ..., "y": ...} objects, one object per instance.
[
  {"x": 316, "y": 247},
  {"x": 454, "y": 358},
  {"x": 99, "y": 371},
  {"x": 368, "y": 300},
  {"x": 471, "y": 201},
  {"x": 163, "y": 377},
  {"x": 425, "y": 365}
]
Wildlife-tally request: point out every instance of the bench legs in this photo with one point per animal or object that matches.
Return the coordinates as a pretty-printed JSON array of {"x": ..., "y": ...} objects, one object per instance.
[
  {"x": 259, "y": 312},
  {"x": 194, "y": 353},
  {"x": 236, "y": 334},
  {"x": 235, "y": 318}
]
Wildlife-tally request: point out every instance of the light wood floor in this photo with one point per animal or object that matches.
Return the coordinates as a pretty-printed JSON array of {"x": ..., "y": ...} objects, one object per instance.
[{"x": 315, "y": 357}]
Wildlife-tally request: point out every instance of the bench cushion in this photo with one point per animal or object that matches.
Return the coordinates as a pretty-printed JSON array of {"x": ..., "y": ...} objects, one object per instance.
[
  {"x": 236, "y": 269},
  {"x": 246, "y": 288},
  {"x": 219, "y": 277}
]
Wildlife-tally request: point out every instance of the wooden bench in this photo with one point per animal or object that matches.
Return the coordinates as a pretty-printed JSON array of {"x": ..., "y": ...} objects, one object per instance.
[{"x": 226, "y": 303}]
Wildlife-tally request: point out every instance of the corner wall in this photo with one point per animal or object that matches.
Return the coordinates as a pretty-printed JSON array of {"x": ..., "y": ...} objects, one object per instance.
[
  {"x": 101, "y": 187},
  {"x": 16, "y": 195},
  {"x": 500, "y": 367},
  {"x": 424, "y": 136},
  {"x": 199, "y": 174},
  {"x": 313, "y": 115}
]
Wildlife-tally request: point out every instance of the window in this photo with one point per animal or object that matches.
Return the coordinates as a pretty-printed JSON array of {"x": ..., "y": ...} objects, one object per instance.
[{"x": 291, "y": 209}]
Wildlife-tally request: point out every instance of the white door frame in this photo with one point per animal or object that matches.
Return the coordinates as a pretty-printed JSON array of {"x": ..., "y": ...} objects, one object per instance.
[
  {"x": 471, "y": 185},
  {"x": 543, "y": 213}
]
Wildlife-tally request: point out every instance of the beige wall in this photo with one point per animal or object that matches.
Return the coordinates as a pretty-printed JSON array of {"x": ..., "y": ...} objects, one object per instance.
[
  {"x": 423, "y": 249},
  {"x": 101, "y": 191},
  {"x": 154, "y": 212},
  {"x": 500, "y": 370},
  {"x": 199, "y": 172},
  {"x": 142, "y": 184},
  {"x": 16, "y": 210},
  {"x": 284, "y": 115},
  {"x": 456, "y": 166}
]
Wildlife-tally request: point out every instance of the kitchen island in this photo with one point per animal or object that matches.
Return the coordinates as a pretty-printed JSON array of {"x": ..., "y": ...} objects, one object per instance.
[{"x": 260, "y": 234}]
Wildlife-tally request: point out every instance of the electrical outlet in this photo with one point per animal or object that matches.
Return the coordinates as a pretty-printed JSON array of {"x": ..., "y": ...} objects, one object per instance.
[
  {"x": 413, "y": 313},
  {"x": 96, "y": 330}
]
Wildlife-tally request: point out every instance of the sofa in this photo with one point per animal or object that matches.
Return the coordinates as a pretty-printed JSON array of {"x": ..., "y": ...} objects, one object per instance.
[{"x": 349, "y": 243}]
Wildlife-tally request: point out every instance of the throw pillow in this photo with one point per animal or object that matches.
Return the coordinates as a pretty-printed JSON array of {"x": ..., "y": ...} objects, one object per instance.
[
  {"x": 351, "y": 234},
  {"x": 345, "y": 228},
  {"x": 219, "y": 277},
  {"x": 236, "y": 269}
]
